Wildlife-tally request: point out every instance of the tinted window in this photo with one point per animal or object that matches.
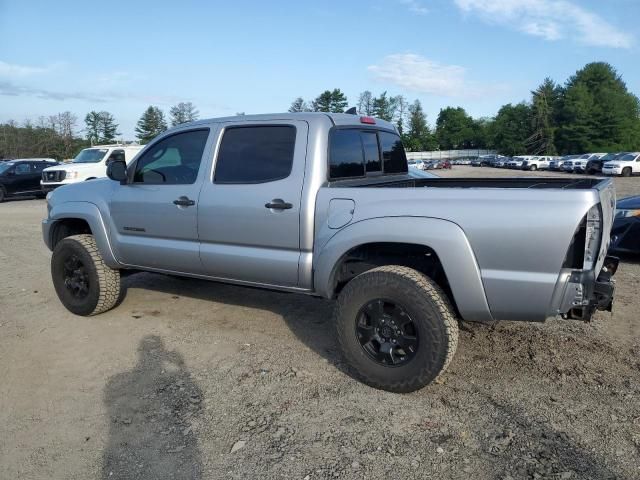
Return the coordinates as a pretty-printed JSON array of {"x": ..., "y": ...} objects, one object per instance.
[
  {"x": 345, "y": 154},
  {"x": 23, "y": 169},
  {"x": 255, "y": 154},
  {"x": 39, "y": 166},
  {"x": 371, "y": 153},
  {"x": 395, "y": 160},
  {"x": 173, "y": 160}
]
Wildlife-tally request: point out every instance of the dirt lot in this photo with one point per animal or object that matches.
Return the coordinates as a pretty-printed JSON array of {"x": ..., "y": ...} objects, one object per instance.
[{"x": 182, "y": 371}]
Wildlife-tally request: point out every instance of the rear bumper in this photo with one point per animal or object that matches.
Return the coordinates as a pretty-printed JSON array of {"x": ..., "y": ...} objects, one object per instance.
[{"x": 585, "y": 294}]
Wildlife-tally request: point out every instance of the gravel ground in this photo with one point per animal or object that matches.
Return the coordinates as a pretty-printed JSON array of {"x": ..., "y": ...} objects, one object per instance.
[{"x": 190, "y": 379}]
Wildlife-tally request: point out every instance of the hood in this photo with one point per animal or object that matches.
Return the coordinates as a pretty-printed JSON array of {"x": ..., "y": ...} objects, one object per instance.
[
  {"x": 75, "y": 166},
  {"x": 629, "y": 203}
]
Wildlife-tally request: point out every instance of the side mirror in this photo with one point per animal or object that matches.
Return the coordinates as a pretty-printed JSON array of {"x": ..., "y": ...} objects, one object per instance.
[{"x": 117, "y": 170}]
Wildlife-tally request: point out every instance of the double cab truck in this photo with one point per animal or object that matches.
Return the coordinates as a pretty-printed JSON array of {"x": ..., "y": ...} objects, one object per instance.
[
  {"x": 325, "y": 205},
  {"x": 89, "y": 164}
]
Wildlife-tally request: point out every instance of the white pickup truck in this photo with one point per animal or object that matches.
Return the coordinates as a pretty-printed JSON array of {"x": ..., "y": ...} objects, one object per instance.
[{"x": 90, "y": 163}]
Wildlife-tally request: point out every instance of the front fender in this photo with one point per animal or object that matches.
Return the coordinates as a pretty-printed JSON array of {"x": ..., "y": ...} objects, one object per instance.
[
  {"x": 444, "y": 237},
  {"x": 88, "y": 212}
]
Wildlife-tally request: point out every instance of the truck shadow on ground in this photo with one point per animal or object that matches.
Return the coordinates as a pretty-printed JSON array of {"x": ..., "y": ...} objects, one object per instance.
[
  {"x": 150, "y": 409},
  {"x": 310, "y": 319}
]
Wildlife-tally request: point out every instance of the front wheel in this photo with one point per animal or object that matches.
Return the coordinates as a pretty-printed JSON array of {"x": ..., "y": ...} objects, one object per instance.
[
  {"x": 396, "y": 328},
  {"x": 84, "y": 283},
  {"x": 626, "y": 172},
  {"x": 533, "y": 168}
]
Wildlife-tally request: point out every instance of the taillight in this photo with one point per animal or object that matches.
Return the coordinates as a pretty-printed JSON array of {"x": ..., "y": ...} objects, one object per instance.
[
  {"x": 368, "y": 120},
  {"x": 592, "y": 238}
]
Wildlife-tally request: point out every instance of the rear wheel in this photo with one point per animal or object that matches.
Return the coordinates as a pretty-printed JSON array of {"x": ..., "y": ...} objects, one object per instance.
[
  {"x": 84, "y": 283},
  {"x": 2, "y": 194},
  {"x": 626, "y": 172},
  {"x": 396, "y": 328}
]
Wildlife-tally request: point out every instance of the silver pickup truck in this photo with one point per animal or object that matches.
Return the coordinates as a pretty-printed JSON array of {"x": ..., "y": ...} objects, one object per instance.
[{"x": 324, "y": 204}]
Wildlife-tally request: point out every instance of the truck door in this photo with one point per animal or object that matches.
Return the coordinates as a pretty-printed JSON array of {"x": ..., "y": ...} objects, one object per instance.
[
  {"x": 155, "y": 214},
  {"x": 26, "y": 179},
  {"x": 249, "y": 210}
]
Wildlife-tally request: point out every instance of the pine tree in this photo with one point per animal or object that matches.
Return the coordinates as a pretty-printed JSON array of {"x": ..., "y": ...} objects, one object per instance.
[
  {"x": 544, "y": 105},
  {"x": 418, "y": 136},
  {"x": 183, "y": 112},
  {"x": 330, "y": 101},
  {"x": 92, "y": 122},
  {"x": 339, "y": 101},
  {"x": 151, "y": 124},
  {"x": 108, "y": 128}
]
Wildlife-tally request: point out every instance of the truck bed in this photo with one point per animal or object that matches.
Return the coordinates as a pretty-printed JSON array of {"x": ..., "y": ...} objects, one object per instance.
[{"x": 540, "y": 182}]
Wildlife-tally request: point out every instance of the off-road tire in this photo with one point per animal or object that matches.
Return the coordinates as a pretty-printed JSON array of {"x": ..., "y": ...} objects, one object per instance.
[
  {"x": 104, "y": 287},
  {"x": 626, "y": 172},
  {"x": 430, "y": 311}
]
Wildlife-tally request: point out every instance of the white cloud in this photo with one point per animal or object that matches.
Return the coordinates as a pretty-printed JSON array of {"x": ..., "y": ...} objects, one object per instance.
[
  {"x": 418, "y": 74},
  {"x": 14, "y": 70},
  {"x": 550, "y": 19},
  {"x": 415, "y": 6}
]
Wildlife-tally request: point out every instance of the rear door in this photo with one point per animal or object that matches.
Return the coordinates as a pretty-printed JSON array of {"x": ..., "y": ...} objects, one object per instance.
[
  {"x": 249, "y": 210},
  {"x": 155, "y": 214}
]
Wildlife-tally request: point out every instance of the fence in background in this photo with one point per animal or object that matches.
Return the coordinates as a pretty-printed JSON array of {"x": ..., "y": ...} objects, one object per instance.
[{"x": 449, "y": 154}]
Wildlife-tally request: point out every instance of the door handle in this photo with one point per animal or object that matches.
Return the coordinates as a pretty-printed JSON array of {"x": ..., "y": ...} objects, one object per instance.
[
  {"x": 278, "y": 204},
  {"x": 184, "y": 202}
]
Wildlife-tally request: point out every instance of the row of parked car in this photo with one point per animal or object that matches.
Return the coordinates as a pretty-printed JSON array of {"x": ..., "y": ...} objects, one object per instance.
[
  {"x": 622, "y": 163},
  {"x": 429, "y": 164}
]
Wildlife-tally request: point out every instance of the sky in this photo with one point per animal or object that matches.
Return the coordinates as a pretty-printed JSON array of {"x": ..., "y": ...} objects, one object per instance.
[{"x": 258, "y": 56}]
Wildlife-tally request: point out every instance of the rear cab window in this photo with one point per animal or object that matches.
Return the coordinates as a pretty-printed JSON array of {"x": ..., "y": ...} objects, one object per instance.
[{"x": 359, "y": 152}]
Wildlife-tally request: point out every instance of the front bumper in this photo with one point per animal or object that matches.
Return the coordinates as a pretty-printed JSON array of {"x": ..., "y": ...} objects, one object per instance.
[
  {"x": 585, "y": 293},
  {"x": 50, "y": 187},
  {"x": 612, "y": 171}
]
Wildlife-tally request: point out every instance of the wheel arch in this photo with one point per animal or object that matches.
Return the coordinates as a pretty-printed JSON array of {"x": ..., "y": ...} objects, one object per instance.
[
  {"x": 72, "y": 218},
  {"x": 386, "y": 240}
]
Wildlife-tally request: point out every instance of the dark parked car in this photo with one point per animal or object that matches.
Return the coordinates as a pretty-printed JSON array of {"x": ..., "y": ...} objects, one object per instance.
[
  {"x": 595, "y": 164},
  {"x": 625, "y": 234},
  {"x": 22, "y": 177}
]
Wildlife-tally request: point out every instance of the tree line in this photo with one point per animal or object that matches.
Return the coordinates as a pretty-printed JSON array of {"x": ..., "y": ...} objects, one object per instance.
[
  {"x": 592, "y": 111},
  {"x": 58, "y": 136}
]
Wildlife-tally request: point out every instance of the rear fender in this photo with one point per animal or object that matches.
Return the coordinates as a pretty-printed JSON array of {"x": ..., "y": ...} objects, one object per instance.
[{"x": 446, "y": 238}]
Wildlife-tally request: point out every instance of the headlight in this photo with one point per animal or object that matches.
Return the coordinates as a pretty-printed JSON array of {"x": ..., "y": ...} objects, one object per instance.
[
  {"x": 627, "y": 213},
  {"x": 72, "y": 174},
  {"x": 592, "y": 237}
]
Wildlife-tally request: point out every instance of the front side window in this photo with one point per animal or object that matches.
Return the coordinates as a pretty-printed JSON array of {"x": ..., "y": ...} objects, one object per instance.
[
  {"x": 174, "y": 160},
  {"x": 255, "y": 154}
]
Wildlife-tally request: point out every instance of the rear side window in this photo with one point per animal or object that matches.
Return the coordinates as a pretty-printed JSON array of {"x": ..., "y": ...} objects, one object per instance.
[
  {"x": 255, "y": 154},
  {"x": 345, "y": 154},
  {"x": 393, "y": 156},
  {"x": 355, "y": 153}
]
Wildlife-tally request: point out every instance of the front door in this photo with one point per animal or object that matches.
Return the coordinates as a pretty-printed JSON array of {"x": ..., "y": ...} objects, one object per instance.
[
  {"x": 25, "y": 181},
  {"x": 249, "y": 212},
  {"x": 155, "y": 214}
]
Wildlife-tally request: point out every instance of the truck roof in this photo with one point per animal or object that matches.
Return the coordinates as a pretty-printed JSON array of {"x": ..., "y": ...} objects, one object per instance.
[{"x": 336, "y": 119}]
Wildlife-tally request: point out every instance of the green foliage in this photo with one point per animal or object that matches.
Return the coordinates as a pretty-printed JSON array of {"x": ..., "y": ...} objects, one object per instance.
[
  {"x": 598, "y": 113},
  {"x": 151, "y": 124},
  {"x": 183, "y": 112},
  {"x": 101, "y": 127},
  {"x": 545, "y": 101},
  {"x": 511, "y": 129},
  {"x": 418, "y": 136},
  {"x": 330, "y": 101},
  {"x": 455, "y": 129}
]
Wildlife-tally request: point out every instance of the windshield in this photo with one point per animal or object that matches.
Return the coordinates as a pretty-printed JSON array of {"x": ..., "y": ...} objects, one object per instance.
[
  {"x": 628, "y": 157},
  {"x": 90, "y": 155},
  {"x": 586, "y": 155},
  {"x": 609, "y": 156},
  {"x": 4, "y": 167}
]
